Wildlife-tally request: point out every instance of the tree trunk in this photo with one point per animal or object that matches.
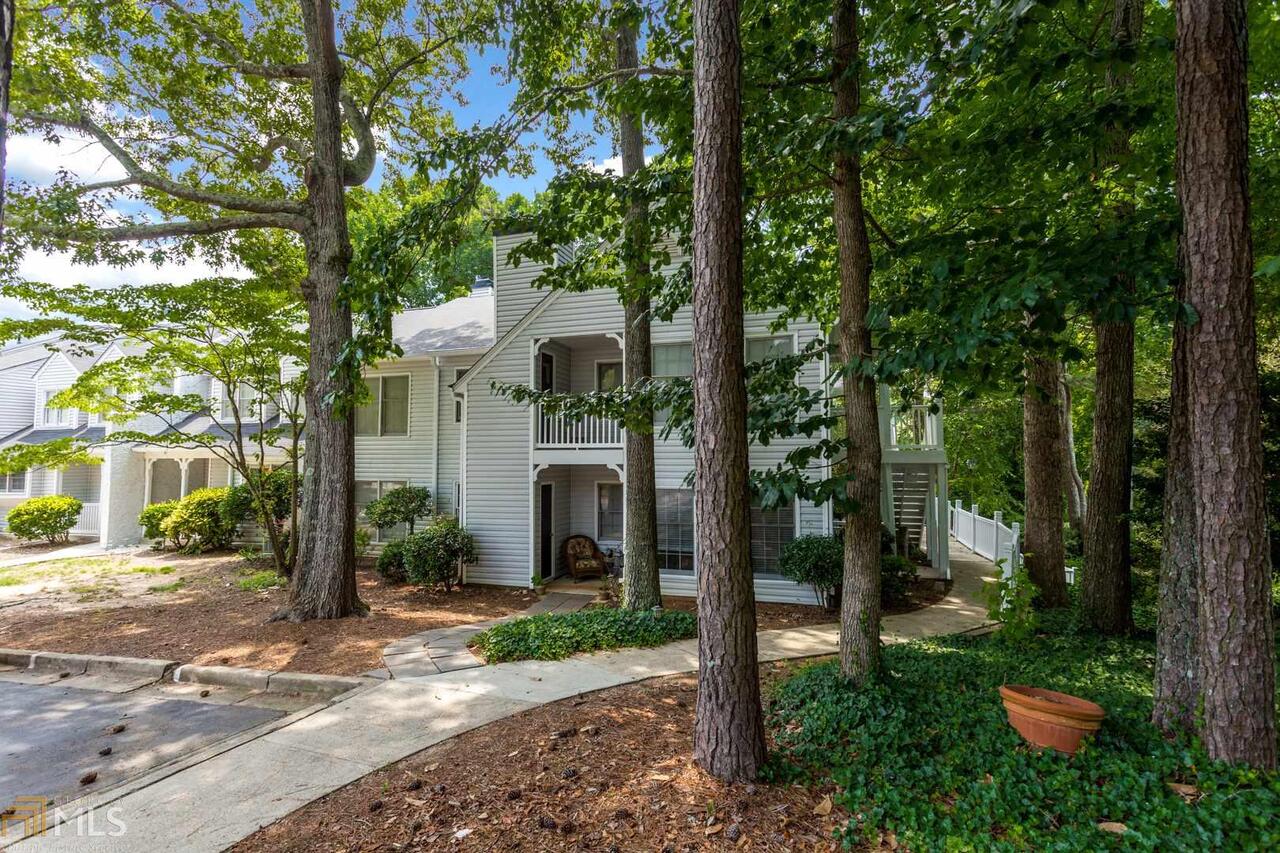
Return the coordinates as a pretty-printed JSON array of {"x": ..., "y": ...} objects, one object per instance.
[
  {"x": 324, "y": 585},
  {"x": 1042, "y": 472},
  {"x": 1236, "y": 652},
  {"x": 1076, "y": 501},
  {"x": 728, "y": 736},
  {"x": 1107, "y": 586},
  {"x": 641, "y": 590},
  {"x": 860, "y": 595},
  {"x": 1177, "y": 687},
  {"x": 8, "y": 21}
]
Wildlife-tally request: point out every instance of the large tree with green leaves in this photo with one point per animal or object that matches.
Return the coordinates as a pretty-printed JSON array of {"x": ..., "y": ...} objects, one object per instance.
[{"x": 226, "y": 118}]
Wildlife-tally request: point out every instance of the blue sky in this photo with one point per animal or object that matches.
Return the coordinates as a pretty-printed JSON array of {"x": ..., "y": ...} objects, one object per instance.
[{"x": 33, "y": 159}]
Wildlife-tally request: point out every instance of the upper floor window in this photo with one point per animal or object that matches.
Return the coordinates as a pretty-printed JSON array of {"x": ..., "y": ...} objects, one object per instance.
[
  {"x": 14, "y": 484},
  {"x": 759, "y": 349},
  {"x": 54, "y": 416},
  {"x": 672, "y": 360},
  {"x": 387, "y": 412}
]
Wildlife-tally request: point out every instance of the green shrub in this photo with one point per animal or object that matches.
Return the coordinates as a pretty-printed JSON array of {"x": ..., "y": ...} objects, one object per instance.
[
  {"x": 1011, "y": 602},
  {"x": 929, "y": 756},
  {"x": 391, "y": 562},
  {"x": 896, "y": 575},
  {"x": 817, "y": 561},
  {"x": 49, "y": 518},
  {"x": 239, "y": 504},
  {"x": 433, "y": 554},
  {"x": 197, "y": 521},
  {"x": 152, "y": 519},
  {"x": 552, "y": 636},
  {"x": 403, "y": 505}
]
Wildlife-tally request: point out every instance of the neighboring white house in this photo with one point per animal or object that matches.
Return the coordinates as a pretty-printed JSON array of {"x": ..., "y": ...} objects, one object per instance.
[{"x": 522, "y": 482}]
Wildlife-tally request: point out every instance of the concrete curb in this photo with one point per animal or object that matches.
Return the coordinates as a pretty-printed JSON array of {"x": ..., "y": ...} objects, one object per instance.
[
  {"x": 17, "y": 657},
  {"x": 268, "y": 681},
  {"x": 82, "y": 664},
  {"x": 306, "y": 682},
  {"x": 223, "y": 676}
]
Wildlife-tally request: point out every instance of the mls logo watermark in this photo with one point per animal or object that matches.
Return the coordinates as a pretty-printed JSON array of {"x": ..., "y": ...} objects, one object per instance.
[{"x": 33, "y": 817}]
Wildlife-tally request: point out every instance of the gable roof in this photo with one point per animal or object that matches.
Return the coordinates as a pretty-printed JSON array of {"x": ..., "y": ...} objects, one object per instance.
[{"x": 507, "y": 338}]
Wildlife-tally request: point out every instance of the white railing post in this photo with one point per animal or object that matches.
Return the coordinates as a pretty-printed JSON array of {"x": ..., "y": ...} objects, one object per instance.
[
  {"x": 1015, "y": 550},
  {"x": 999, "y": 522}
]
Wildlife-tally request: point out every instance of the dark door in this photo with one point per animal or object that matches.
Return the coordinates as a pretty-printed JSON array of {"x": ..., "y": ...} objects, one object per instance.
[
  {"x": 546, "y": 372},
  {"x": 546, "y": 530}
]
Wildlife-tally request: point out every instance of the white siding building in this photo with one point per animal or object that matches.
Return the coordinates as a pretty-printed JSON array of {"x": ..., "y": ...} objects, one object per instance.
[{"x": 521, "y": 481}]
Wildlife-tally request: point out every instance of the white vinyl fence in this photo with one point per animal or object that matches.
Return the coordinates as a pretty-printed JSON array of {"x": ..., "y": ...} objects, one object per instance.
[
  {"x": 992, "y": 538},
  {"x": 988, "y": 537}
]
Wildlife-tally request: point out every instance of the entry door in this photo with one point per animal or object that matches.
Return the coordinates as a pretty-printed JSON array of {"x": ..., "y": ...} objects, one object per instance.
[
  {"x": 546, "y": 372},
  {"x": 546, "y": 530}
]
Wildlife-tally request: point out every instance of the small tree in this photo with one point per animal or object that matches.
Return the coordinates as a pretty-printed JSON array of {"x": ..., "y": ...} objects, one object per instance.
[
  {"x": 817, "y": 561},
  {"x": 198, "y": 520},
  {"x": 403, "y": 505},
  {"x": 49, "y": 518}
]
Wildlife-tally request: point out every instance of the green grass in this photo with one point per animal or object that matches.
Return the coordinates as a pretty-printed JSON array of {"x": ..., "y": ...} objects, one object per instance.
[
  {"x": 928, "y": 754},
  {"x": 168, "y": 587},
  {"x": 266, "y": 579},
  {"x": 152, "y": 570},
  {"x": 10, "y": 580},
  {"x": 552, "y": 636}
]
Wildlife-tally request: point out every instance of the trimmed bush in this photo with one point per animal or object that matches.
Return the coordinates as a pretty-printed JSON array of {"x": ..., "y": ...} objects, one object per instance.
[
  {"x": 239, "y": 503},
  {"x": 152, "y": 519},
  {"x": 49, "y": 518},
  {"x": 896, "y": 575},
  {"x": 403, "y": 505},
  {"x": 198, "y": 522},
  {"x": 553, "y": 636},
  {"x": 929, "y": 756},
  {"x": 817, "y": 561},
  {"x": 433, "y": 554},
  {"x": 391, "y": 562}
]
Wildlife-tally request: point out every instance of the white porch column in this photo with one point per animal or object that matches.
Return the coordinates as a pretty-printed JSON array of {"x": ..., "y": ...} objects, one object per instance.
[
  {"x": 146, "y": 484},
  {"x": 183, "y": 465}
]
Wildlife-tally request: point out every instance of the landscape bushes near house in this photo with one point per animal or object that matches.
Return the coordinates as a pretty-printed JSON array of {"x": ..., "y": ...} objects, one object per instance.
[
  {"x": 819, "y": 562},
  {"x": 48, "y": 518}
]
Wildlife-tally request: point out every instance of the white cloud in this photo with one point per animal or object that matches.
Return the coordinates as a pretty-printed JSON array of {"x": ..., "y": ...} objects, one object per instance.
[{"x": 30, "y": 157}]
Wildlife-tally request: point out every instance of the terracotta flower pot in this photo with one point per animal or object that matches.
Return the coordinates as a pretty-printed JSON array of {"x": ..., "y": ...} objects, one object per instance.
[{"x": 1046, "y": 718}]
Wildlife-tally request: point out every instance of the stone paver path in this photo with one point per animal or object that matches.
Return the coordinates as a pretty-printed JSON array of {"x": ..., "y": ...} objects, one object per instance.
[
  {"x": 445, "y": 649},
  {"x": 209, "y": 805}
]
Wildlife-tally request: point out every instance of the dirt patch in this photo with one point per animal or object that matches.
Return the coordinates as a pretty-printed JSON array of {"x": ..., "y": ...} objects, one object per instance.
[
  {"x": 11, "y": 547},
  {"x": 608, "y": 771},
  {"x": 197, "y": 613}
]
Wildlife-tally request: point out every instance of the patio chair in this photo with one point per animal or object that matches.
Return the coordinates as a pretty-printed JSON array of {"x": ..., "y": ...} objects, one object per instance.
[{"x": 583, "y": 557}]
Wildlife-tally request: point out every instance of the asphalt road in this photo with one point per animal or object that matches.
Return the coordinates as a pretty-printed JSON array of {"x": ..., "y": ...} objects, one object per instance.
[{"x": 51, "y": 736}]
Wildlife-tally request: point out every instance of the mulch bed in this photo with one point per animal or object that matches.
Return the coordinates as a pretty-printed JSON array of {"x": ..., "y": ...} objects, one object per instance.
[
  {"x": 609, "y": 771},
  {"x": 212, "y": 621}
]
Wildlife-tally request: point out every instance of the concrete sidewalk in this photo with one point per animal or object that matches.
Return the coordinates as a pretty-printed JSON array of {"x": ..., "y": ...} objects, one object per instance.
[
  {"x": 81, "y": 549},
  {"x": 210, "y": 805}
]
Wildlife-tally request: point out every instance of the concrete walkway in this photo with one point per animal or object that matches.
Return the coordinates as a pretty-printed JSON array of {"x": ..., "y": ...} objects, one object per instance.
[
  {"x": 445, "y": 649},
  {"x": 210, "y": 803},
  {"x": 82, "y": 549}
]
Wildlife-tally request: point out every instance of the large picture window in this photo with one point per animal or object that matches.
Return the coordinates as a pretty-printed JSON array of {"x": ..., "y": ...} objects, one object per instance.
[
  {"x": 759, "y": 349},
  {"x": 387, "y": 411},
  {"x": 770, "y": 530},
  {"x": 609, "y": 524},
  {"x": 675, "y": 530},
  {"x": 608, "y": 375},
  {"x": 672, "y": 360}
]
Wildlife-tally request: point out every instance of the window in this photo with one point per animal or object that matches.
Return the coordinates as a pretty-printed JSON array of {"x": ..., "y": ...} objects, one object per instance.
[
  {"x": 609, "y": 525},
  {"x": 608, "y": 375},
  {"x": 457, "y": 403},
  {"x": 546, "y": 372},
  {"x": 675, "y": 530},
  {"x": 758, "y": 349},
  {"x": 55, "y": 416},
  {"x": 770, "y": 530},
  {"x": 14, "y": 484},
  {"x": 387, "y": 412},
  {"x": 672, "y": 360},
  {"x": 368, "y": 491}
]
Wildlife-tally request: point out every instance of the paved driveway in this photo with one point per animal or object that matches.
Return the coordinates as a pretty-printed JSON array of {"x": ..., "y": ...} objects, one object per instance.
[{"x": 52, "y": 735}]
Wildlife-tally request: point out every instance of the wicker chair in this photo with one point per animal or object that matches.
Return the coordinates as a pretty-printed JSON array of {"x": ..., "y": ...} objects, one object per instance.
[{"x": 583, "y": 557}]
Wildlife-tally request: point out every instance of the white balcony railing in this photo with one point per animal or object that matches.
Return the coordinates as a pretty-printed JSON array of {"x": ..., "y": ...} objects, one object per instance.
[
  {"x": 915, "y": 428},
  {"x": 567, "y": 432},
  {"x": 87, "y": 523}
]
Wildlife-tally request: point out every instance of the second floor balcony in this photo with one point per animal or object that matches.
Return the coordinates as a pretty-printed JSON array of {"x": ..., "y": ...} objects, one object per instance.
[{"x": 557, "y": 431}]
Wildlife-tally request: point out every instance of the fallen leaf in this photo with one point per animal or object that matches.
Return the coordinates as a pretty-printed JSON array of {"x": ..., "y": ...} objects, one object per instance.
[
  {"x": 1188, "y": 791},
  {"x": 462, "y": 833},
  {"x": 713, "y": 829},
  {"x": 1113, "y": 826},
  {"x": 823, "y": 808},
  {"x": 431, "y": 768},
  {"x": 411, "y": 801}
]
